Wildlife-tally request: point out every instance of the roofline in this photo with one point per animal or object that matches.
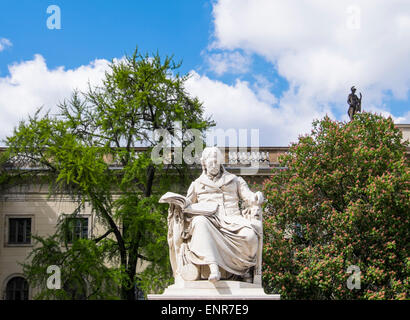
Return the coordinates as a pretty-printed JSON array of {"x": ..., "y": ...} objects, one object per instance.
[{"x": 402, "y": 125}]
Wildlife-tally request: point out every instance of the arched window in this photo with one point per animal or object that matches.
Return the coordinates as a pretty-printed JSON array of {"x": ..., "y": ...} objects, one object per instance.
[{"x": 17, "y": 289}]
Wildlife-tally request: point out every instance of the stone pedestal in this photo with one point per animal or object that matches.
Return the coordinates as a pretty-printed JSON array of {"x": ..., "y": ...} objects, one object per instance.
[{"x": 220, "y": 290}]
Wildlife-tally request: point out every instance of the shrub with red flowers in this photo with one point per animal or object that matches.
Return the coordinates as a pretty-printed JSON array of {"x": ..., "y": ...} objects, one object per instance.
[{"x": 342, "y": 201}]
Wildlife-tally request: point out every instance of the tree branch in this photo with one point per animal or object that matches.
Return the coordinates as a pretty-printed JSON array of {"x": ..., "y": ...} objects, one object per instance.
[{"x": 103, "y": 236}]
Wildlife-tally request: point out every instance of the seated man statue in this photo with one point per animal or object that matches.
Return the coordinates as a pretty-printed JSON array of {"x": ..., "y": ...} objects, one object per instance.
[{"x": 227, "y": 241}]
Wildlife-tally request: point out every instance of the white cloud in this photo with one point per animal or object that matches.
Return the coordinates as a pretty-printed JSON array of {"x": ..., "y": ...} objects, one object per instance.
[
  {"x": 232, "y": 62},
  {"x": 242, "y": 106},
  {"x": 313, "y": 45},
  {"x": 31, "y": 84},
  {"x": 404, "y": 119},
  {"x": 308, "y": 42},
  {"x": 4, "y": 43}
]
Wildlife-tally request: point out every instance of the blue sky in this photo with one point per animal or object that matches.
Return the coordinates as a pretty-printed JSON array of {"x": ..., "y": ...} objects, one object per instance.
[
  {"x": 268, "y": 65},
  {"x": 105, "y": 29}
]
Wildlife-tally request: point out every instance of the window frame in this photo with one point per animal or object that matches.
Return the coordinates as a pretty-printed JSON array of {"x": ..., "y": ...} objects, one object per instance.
[
  {"x": 10, "y": 278},
  {"x": 80, "y": 216},
  {"x": 7, "y": 229}
]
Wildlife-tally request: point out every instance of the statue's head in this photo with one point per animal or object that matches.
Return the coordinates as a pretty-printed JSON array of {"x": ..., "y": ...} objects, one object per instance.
[
  {"x": 353, "y": 89},
  {"x": 212, "y": 161}
]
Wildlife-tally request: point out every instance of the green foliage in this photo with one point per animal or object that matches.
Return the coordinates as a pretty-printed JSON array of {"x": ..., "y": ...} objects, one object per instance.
[
  {"x": 84, "y": 275},
  {"x": 89, "y": 152},
  {"x": 155, "y": 279},
  {"x": 343, "y": 200},
  {"x": 4, "y": 177}
]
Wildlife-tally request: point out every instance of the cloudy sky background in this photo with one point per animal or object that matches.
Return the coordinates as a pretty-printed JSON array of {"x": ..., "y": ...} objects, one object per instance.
[{"x": 272, "y": 65}]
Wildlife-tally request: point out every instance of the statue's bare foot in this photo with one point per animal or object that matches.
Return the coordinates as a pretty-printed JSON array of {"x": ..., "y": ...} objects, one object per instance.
[
  {"x": 215, "y": 274},
  {"x": 214, "y": 277}
]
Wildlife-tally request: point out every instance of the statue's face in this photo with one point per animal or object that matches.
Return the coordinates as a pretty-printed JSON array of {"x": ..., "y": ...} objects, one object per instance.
[{"x": 212, "y": 165}]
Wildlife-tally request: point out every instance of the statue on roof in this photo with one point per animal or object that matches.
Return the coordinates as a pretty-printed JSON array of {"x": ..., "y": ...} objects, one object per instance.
[{"x": 355, "y": 103}]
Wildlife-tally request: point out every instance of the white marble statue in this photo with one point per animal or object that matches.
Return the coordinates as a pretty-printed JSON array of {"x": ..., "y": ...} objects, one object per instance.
[{"x": 209, "y": 235}]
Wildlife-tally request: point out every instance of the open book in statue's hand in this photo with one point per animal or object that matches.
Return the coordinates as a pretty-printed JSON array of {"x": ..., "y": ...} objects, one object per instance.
[
  {"x": 203, "y": 208},
  {"x": 174, "y": 198}
]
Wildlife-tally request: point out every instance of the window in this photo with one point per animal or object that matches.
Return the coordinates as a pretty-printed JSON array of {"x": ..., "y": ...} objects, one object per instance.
[
  {"x": 17, "y": 289},
  {"x": 77, "y": 228},
  {"x": 19, "y": 231}
]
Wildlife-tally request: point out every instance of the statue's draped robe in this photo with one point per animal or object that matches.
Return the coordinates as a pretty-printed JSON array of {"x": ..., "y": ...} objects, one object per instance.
[{"x": 226, "y": 238}]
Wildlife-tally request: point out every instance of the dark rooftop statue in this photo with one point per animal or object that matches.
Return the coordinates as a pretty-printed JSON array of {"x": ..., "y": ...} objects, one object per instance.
[{"x": 355, "y": 103}]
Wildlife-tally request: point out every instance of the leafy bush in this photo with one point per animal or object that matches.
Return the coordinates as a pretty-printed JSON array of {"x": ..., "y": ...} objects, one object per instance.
[{"x": 343, "y": 200}]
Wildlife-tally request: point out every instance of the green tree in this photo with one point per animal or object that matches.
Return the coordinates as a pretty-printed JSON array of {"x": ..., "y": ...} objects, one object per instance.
[
  {"x": 84, "y": 273},
  {"x": 343, "y": 200},
  {"x": 90, "y": 152}
]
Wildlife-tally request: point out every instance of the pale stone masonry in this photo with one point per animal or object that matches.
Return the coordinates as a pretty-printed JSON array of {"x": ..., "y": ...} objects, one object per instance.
[{"x": 44, "y": 213}]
